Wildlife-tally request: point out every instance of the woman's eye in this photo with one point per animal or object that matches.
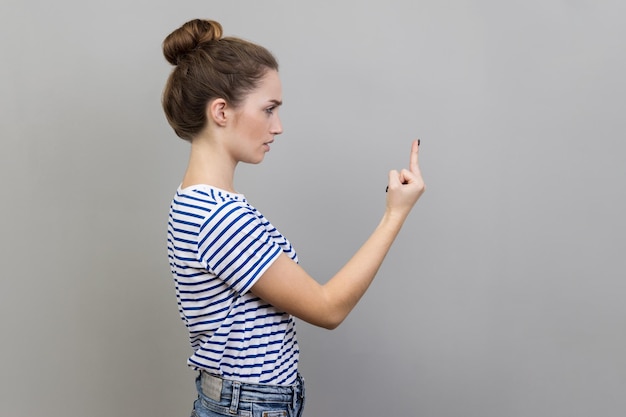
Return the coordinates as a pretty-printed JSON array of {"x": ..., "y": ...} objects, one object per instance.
[{"x": 270, "y": 110}]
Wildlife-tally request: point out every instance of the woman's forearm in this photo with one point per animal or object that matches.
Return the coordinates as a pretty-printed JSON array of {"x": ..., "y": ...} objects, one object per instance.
[{"x": 345, "y": 289}]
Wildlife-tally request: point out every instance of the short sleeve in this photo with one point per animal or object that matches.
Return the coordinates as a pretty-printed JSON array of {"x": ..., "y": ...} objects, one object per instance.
[{"x": 235, "y": 245}]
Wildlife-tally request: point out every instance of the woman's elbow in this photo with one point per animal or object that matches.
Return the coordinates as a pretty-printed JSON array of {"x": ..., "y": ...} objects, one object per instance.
[
  {"x": 330, "y": 321},
  {"x": 323, "y": 319}
]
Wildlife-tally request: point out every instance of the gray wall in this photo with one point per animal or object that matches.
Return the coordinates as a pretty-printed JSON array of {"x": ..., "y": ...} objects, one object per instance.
[{"x": 504, "y": 294}]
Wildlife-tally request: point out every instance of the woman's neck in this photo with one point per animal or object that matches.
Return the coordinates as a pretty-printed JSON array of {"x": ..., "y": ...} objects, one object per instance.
[{"x": 210, "y": 164}]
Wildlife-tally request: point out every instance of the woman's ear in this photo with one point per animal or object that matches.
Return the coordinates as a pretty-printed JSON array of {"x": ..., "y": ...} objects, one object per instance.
[{"x": 217, "y": 111}]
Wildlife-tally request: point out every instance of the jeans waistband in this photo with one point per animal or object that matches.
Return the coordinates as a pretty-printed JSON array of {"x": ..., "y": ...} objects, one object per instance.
[{"x": 218, "y": 388}]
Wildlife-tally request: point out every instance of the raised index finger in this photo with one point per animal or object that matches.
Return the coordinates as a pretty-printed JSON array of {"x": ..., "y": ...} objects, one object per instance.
[{"x": 413, "y": 163}]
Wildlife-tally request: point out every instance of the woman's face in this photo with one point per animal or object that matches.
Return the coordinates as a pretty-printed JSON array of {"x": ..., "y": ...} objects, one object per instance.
[{"x": 256, "y": 120}]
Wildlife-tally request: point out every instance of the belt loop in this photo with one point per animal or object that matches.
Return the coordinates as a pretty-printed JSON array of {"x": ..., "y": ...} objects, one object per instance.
[
  {"x": 234, "y": 402},
  {"x": 298, "y": 391}
]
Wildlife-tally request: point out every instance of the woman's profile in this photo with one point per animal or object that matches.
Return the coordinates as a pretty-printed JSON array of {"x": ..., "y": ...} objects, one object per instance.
[{"x": 237, "y": 278}]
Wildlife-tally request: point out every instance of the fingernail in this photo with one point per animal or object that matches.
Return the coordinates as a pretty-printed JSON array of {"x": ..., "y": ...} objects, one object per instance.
[
  {"x": 387, "y": 189},
  {"x": 418, "y": 142}
]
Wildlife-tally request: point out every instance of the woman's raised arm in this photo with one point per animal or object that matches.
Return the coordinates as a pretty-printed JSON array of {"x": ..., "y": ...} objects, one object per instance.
[{"x": 287, "y": 286}]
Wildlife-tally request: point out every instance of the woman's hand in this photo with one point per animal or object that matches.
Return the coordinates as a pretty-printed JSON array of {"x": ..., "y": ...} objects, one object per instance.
[{"x": 405, "y": 187}]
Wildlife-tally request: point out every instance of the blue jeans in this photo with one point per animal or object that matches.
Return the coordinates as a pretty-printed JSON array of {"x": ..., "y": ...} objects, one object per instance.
[{"x": 219, "y": 397}]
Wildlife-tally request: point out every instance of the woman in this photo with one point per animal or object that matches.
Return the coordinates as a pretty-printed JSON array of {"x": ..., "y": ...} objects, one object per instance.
[{"x": 238, "y": 283}]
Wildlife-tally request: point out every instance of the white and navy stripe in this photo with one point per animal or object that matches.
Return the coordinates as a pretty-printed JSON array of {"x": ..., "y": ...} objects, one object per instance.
[{"x": 218, "y": 247}]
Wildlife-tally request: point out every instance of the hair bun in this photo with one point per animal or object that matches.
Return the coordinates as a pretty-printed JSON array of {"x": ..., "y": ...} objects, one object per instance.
[{"x": 187, "y": 37}]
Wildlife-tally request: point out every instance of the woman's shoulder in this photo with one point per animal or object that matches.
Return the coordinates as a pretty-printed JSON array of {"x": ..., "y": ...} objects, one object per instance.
[
  {"x": 204, "y": 193},
  {"x": 203, "y": 201}
]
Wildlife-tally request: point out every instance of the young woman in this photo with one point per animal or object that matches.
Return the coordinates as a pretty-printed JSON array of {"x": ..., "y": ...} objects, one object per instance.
[{"x": 238, "y": 282}]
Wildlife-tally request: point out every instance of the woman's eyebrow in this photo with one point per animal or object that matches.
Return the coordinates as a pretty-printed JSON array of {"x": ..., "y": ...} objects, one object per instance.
[{"x": 276, "y": 102}]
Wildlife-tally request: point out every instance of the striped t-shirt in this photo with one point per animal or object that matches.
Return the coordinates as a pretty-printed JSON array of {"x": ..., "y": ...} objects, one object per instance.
[{"x": 218, "y": 247}]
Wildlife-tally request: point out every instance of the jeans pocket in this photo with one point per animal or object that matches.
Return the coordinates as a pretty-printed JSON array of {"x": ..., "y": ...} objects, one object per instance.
[
  {"x": 281, "y": 413},
  {"x": 270, "y": 410},
  {"x": 206, "y": 407}
]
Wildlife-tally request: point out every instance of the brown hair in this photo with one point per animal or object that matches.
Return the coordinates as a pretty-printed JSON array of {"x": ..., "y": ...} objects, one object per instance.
[{"x": 208, "y": 66}]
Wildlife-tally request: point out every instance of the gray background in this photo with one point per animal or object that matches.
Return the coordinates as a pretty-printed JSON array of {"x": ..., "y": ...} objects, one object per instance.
[{"x": 504, "y": 293}]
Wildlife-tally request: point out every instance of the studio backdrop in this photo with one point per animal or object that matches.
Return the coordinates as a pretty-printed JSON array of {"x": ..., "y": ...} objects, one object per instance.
[{"x": 504, "y": 293}]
